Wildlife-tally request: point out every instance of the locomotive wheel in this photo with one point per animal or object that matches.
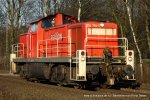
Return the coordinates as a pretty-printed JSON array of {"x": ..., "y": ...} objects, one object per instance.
[
  {"x": 22, "y": 75},
  {"x": 58, "y": 74},
  {"x": 97, "y": 88},
  {"x": 104, "y": 86},
  {"x": 77, "y": 87}
]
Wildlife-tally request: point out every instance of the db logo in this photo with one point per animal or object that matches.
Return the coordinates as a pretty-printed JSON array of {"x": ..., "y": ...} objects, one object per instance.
[{"x": 56, "y": 36}]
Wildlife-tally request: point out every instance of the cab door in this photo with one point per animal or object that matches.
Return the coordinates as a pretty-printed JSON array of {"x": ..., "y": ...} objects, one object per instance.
[
  {"x": 76, "y": 39},
  {"x": 32, "y": 41}
]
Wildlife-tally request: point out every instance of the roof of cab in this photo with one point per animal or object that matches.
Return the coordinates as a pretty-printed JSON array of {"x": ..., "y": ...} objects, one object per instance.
[{"x": 48, "y": 16}]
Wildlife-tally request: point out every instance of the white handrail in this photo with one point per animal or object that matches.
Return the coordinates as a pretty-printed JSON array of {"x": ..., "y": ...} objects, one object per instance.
[
  {"x": 87, "y": 39},
  {"x": 56, "y": 47},
  {"x": 15, "y": 49}
]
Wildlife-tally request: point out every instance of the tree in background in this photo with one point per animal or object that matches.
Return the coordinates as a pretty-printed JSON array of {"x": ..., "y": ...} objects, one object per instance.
[
  {"x": 133, "y": 33},
  {"x": 145, "y": 25},
  {"x": 12, "y": 9}
]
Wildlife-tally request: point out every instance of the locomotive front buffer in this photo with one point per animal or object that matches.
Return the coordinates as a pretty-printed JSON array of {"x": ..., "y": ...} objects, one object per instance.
[{"x": 106, "y": 71}]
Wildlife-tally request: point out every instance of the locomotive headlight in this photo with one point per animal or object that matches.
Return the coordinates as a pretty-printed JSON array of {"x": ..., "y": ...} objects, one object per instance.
[
  {"x": 82, "y": 58},
  {"x": 130, "y": 53},
  {"x": 102, "y": 24},
  {"x": 82, "y": 53},
  {"x": 130, "y": 59}
]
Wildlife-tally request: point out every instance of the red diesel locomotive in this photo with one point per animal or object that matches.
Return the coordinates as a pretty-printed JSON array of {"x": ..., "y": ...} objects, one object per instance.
[{"x": 60, "y": 49}]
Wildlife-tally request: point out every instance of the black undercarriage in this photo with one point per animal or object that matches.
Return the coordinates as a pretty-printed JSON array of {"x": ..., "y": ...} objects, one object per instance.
[{"x": 59, "y": 73}]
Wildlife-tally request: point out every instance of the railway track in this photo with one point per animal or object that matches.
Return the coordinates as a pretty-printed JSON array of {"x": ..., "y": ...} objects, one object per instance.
[{"x": 18, "y": 89}]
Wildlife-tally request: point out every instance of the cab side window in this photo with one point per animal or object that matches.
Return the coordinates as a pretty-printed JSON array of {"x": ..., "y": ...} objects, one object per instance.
[
  {"x": 33, "y": 27},
  {"x": 46, "y": 23},
  {"x": 67, "y": 20}
]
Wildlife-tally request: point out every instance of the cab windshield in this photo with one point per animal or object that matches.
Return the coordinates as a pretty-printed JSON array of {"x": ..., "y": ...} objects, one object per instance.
[
  {"x": 33, "y": 27},
  {"x": 46, "y": 23}
]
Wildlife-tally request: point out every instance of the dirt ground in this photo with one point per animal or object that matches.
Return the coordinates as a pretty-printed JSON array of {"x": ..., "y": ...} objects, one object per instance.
[{"x": 14, "y": 88}]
